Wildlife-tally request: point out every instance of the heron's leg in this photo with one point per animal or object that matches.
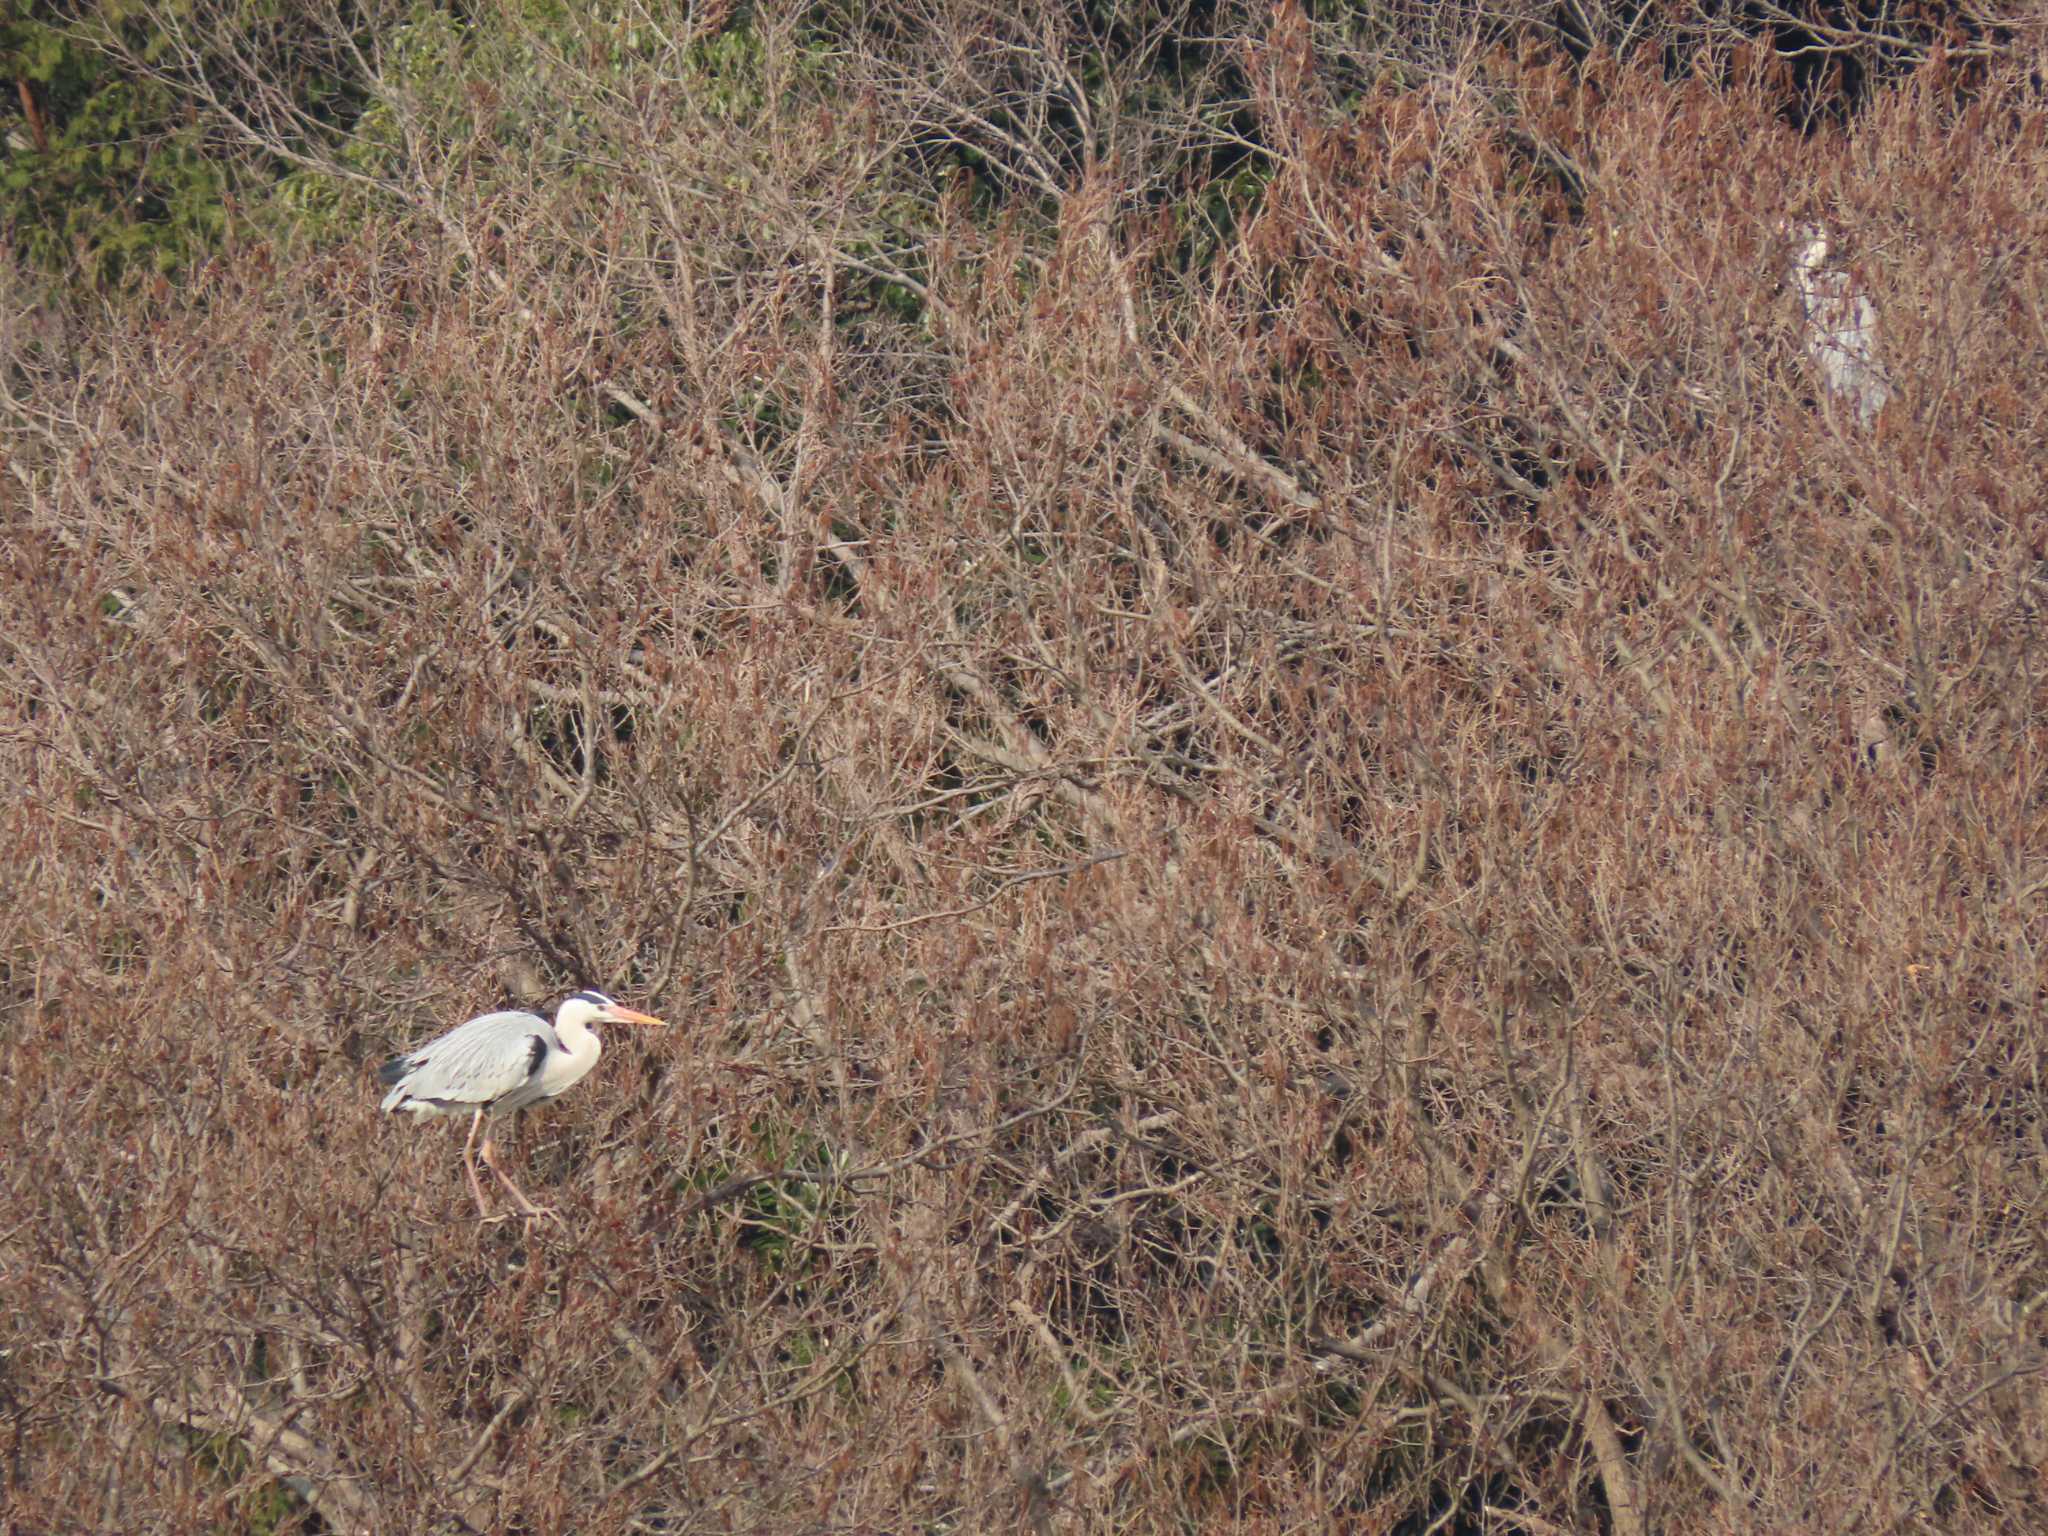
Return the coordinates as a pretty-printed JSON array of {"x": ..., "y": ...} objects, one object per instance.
[
  {"x": 469, "y": 1162},
  {"x": 526, "y": 1205}
]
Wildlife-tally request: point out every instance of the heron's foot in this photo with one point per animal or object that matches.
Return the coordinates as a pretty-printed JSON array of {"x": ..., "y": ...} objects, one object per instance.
[{"x": 531, "y": 1215}]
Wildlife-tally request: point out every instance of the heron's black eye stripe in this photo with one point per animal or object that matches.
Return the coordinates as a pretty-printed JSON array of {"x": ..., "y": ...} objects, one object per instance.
[{"x": 595, "y": 999}]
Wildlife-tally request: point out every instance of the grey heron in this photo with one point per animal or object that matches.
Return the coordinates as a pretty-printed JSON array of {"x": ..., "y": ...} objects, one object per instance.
[
  {"x": 1841, "y": 325},
  {"x": 500, "y": 1061}
]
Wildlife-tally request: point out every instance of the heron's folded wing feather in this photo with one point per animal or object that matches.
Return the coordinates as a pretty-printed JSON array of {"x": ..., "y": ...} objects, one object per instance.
[{"x": 479, "y": 1062}]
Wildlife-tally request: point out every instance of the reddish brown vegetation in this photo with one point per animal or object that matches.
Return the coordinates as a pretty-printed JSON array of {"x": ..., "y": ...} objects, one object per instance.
[{"x": 1392, "y": 879}]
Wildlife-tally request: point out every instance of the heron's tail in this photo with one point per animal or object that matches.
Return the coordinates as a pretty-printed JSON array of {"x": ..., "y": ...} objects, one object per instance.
[{"x": 394, "y": 1073}]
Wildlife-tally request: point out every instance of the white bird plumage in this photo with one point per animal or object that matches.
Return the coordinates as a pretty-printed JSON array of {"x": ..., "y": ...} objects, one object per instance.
[
  {"x": 501, "y": 1061},
  {"x": 1841, "y": 325}
]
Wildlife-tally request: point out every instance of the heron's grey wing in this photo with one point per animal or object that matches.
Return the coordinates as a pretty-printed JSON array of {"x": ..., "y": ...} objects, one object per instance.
[{"x": 477, "y": 1063}]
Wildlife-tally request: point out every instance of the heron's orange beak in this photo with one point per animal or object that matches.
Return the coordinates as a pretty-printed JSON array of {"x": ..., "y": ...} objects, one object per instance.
[{"x": 618, "y": 1015}]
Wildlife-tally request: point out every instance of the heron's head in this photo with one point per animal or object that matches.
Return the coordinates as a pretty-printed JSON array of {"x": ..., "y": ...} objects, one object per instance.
[
  {"x": 1809, "y": 243},
  {"x": 587, "y": 1008}
]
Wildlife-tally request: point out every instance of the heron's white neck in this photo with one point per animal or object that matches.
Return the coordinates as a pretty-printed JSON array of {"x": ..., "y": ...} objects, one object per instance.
[{"x": 570, "y": 1065}]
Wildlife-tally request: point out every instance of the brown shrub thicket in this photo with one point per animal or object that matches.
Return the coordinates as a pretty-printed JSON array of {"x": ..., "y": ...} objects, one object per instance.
[{"x": 1330, "y": 857}]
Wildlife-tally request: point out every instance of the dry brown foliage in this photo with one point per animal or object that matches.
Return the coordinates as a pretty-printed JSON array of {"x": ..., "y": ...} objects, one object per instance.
[{"x": 1381, "y": 879}]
